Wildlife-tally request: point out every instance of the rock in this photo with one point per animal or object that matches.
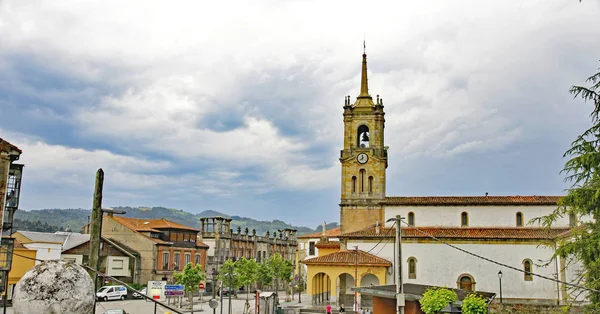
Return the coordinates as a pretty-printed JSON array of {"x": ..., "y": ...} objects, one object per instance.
[{"x": 54, "y": 287}]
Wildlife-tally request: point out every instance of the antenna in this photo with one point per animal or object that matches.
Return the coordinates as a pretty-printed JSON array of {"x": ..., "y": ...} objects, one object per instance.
[{"x": 365, "y": 43}]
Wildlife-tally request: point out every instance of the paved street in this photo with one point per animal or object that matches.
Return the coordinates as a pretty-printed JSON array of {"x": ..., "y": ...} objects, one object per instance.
[{"x": 137, "y": 306}]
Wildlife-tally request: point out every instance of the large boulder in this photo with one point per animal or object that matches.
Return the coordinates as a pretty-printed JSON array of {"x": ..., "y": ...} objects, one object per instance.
[{"x": 54, "y": 287}]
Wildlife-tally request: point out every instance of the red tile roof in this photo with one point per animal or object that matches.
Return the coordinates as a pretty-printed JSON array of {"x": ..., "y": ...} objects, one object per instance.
[
  {"x": 331, "y": 233},
  {"x": 328, "y": 244},
  {"x": 348, "y": 258},
  {"x": 461, "y": 233},
  {"x": 5, "y": 146},
  {"x": 147, "y": 225},
  {"x": 470, "y": 200}
]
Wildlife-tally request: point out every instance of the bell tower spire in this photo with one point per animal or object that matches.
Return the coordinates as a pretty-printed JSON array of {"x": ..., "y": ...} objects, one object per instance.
[{"x": 364, "y": 81}]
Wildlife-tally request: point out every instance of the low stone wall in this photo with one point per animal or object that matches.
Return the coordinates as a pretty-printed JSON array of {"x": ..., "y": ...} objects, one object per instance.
[{"x": 496, "y": 308}]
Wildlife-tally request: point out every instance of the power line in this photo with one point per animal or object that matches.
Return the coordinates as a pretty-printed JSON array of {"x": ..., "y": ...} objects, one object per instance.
[
  {"x": 500, "y": 264},
  {"x": 387, "y": 234}
]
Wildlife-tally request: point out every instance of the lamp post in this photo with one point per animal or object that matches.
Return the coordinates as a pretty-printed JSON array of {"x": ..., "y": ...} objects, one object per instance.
[
  {"x": 214, "y": 274},
  {"x": 500, "y": 280},
  {"x": 229, "y": 289}
]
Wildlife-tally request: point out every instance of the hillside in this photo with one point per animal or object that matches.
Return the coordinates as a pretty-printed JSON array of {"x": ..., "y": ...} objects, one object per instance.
[{"x": 75, "y": 219}]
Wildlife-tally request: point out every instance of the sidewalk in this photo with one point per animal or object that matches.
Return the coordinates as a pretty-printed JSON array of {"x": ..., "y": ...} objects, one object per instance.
[{"x": 237, "y": 304}]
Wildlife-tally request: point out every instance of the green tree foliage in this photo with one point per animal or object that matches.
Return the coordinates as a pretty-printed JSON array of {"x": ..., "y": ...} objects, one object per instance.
[
  {"x": 583, "y": 197},
  {"x": 247, "y": 270},
  {"x": 474, "y": 304},
  {"x": 265, "y": 275},
  {"x": 228, "y": 274},
  {"x": 190, "y": 278},
  {"x": 436, "y": 299}
]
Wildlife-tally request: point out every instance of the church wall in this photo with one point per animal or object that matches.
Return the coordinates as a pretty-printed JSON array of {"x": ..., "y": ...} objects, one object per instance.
[
  {"x": 479, "y": 216},
  {"x": 440, "y": 265}
]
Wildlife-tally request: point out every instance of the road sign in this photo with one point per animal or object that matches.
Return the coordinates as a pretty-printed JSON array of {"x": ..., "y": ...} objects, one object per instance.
[
  {"x": 213, "y": 303},
  {"x": 174, "y": 290},
  {"x": 156, "y": 290},
  {"x": 201, "y": 286}
]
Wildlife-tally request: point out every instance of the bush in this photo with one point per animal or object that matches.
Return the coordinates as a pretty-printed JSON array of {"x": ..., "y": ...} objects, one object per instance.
[
  {"x": 436, "y": 299},
  {"x": 474, "y": 304}
]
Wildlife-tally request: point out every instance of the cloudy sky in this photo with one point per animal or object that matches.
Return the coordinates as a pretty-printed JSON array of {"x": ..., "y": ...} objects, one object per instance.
[{"x": 236, "y": 106}]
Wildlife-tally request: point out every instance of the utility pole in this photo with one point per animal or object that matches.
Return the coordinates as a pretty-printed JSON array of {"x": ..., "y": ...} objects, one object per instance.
[
  {"x": 355, "y": 278},
  {"x": 399, "y": 284},
  {"x": 95, "y": 226}
]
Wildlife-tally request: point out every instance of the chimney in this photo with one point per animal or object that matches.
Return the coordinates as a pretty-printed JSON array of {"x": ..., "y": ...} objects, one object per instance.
[{"x": 377, "y": 227}]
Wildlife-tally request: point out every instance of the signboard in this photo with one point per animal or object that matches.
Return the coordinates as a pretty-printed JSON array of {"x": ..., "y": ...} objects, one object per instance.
[
  {"x": 174, "y": 290},
  {"x": 156, "y": 290},
  {"x": 201, "y": 286}
]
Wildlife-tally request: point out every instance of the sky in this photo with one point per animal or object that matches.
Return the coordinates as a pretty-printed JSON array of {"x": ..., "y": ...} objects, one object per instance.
[{"x": 236, "y": 106}]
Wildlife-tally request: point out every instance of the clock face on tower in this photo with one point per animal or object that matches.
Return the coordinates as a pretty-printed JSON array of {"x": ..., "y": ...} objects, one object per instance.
[{"x": 362, "y": 158}]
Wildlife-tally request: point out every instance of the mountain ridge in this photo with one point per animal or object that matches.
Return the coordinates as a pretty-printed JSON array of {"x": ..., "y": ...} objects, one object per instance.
[{"x": 74, "y": 219}]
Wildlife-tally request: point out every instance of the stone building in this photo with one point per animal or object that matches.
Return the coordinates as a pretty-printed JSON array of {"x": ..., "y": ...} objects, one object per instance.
[
  {"x": 163, "y": 246},
  {"x": 224, "y": 243},
  {"x": 492, "y": 226}
]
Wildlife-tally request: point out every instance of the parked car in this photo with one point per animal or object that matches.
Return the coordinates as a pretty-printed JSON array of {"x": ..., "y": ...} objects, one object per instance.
[
  {"x": 227, "y": 292},
  {"x": 115, "y": 311},
  {"x": 111, "y": 293},
  {"x": 138, "y": 294}
]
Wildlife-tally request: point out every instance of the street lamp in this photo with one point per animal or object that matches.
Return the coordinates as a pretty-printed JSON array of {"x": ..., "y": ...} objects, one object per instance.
[
  {"x": 500, "y": 279},
  {"x": 215, "y": 275},
  {"x": 229, "y": 289}
]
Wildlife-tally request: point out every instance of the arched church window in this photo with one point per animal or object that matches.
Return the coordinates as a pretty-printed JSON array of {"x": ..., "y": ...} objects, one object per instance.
[
  {"x": 412, "y": 268},
  {"x": 363, "y": 173},
  {"x": 362, "y": 136},
  {"x": 370, "y": 184},
  {"x": 411, "y": 218},
  {"x": 464, "y": 219},
  {"x": 519, "y": 219},
  {"x": 466, "y": 282},
  {"x": 527, "y": 269},
  {"x": 353, "y": 184}
]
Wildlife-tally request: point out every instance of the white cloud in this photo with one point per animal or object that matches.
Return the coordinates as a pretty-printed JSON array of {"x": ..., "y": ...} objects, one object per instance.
[{"x": 260, "y": 85}]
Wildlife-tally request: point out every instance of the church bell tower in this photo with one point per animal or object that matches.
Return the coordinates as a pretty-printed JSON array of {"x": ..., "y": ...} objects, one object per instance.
[{"x": 364, "y": 159}]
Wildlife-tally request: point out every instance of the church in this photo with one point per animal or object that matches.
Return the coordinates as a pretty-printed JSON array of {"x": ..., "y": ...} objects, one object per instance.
[{"x": 362, "y": 253}]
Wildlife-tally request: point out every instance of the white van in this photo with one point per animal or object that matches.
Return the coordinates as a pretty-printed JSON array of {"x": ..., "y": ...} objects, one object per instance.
[{"x": 111, "y": 293}]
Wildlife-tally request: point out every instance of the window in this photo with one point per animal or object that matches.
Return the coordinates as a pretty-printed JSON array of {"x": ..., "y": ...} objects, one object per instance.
[
  {"x": 117, "y": 264},
  {"x": 464, "y": 219},
  {"x": 188, "y": 258},
  {"x": 411, "y": 218},
  {"x": 412, "y": 268},
  {"x": 466, "y": 282},
  {"x": 197, "y": 261},
  {"x": 362, "y": 136},
  {"x": 353, "y": 184},
  {"x": 370, "y": 184},
  {"x": 176, "y": 260},
  {"x": 527, "y": 269},
  {"x": 165, "y": 261},
  {"x": 572, "y": 220},
  {"x": 362, "y": 179},
  {"x": 155, "y": 235},
  {"x": 519, "y": 219},
  {"x": 311, "y": 248}
]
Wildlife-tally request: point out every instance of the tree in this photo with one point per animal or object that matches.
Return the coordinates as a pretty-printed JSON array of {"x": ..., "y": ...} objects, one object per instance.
[
  {"x": 247, "y": 270},
  {"x": 229, "y": 276},
  {"x": 190, "y": 278},
  {"x": 265, "y": 274},
  {"x": 436, "y": 299},
  {"x": 583, "y": 197},
  {"x": 474, "y": 304},
  {"x": 281, "y": 268}
]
